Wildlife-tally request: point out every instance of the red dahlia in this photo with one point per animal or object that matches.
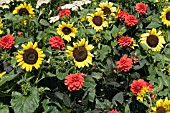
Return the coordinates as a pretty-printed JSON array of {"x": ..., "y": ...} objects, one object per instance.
[
  {"x": 141, "y": 8},
  {"x": 56, "y": 42},
  {"x": 125, "y": 41},
  {"x": 121, "y": 15},
  {"x": 64, "y": 12},
  {"x": 137, "y": 85},
  {"x": 130, "y": 20},
  {"x": 7, "y": 41},
  {"x": 124, "y": 64},
  {"x": 74, "y": 82},
  {"x": 113, "y": 111}
]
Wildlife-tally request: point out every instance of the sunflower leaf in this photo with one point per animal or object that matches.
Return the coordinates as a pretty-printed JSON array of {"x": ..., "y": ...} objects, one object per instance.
[
  {"x": 104, "y": 51},
  {"x": 25, "y": 104},
  {"x": 153, "y": 25},
  {"x": 4, "y": 108},
  {"x": 8, "y": 77},
  {"x": 44, "y": 22}
]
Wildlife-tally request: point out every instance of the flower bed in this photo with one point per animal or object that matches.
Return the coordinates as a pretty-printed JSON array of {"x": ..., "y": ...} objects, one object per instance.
[{"x": 86, "y": 56}]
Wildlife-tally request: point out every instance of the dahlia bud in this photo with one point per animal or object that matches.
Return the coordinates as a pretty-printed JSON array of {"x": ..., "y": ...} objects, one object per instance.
[{"x": 19, "y": 33}]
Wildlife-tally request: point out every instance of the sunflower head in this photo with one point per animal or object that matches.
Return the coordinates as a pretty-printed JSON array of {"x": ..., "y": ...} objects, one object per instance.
[
  {"x": 67, "y": 31},
  {"x": 166, "y": 16},
  {"x": 31, "y": 56},
  {"x": 153, "y": 40},
  {"x": 24, "y": 9},
  {"x": 96, "y": 20},
  {"x": 81, "y": 53},
  {"x": 107, "y": 8},
  {"x": 161, "y": 106}
]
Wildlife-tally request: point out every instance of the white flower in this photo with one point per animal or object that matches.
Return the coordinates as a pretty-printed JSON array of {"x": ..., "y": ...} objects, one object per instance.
[
  {"x": 4, "y": 6},
  {"x": 5, "y": 1},
  {"x": 86, "y": 1},
  {"x": 54, "y": 19},
  {"x": 78, "y": 3},
  {"x": 74, "y": 8},
  {"x": 67, "y": 6},
  {"x": 40, "y": 2}
]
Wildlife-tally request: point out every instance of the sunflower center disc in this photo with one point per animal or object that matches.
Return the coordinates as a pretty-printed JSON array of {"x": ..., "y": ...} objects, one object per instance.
[
  {"x": 106, "y": 10},
  {"x": 97, "y": 20},
  {"x": 23, "y": 11},
  {"x": 66, "y": 30},
  {"x": 30, "y": 56},
  {"x": 168, "y": 15},
  {"x": 160, "y": 110},
  {"x": 80, "y": 54},
  {"x": 152, "y": 40}
]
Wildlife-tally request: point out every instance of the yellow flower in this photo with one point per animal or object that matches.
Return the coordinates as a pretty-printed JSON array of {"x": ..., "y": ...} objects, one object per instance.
[
  {"x": 166, "y": 16},
  {"x": 142, "y": 93},
  {"x": 2, "y": 74},
  {"x": 31, "y": 56},
  {"x": 133, "y": 45},
  {"x": 24, "y": 9},
  {"x": 161, "y": 106},
  {"x": 1, "y": 26},
  {"x": 81, "y": 53},
  {"x": 97, "y": 37},
  {"x": 107, "y": 8},
  {"x": 153, "y": 40},
  {"x": 96, "y": 20},
  {"x": 67, "y": 31},
  {"x": 83, "y": 19}
]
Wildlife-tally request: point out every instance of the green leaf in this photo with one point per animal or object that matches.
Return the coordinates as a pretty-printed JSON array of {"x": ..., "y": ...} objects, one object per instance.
[
  {"x": 41, "y": 35},
  {"x": 107, "y": 35},
  {"x": 49, "y": 108},
  {"x": 50, "y": 74},
  {"x": 115, "y": 30},
  {"x": 90, "y": 31},
  {"x": 104, "y": 51},
  {"x": 13, "y": 62},
  {"x": 44, "y": 22},
  {"x": 167, "y": 37},
  {"x": 167, "y": 4},
  {"x": 90, "y": 84},
  {"x": 8, "y": 16},
  {"x": 4, "y": 108},
  {"x": 97, "y": 75},
  {"x": 127, "y": 110},
  {"x": 118, "y": 97},
  {"x": 19, "y": 40},
  {"x": 153, "y": 25},
  {"x": 61, "y": 75},
  {"x": 7, "y": 77},
  {"x": 113, "y": 44},
  {"x": 51, "y": 30},
  {"x": 25, "y": 104},
  {"x": 67, "y": 100}
]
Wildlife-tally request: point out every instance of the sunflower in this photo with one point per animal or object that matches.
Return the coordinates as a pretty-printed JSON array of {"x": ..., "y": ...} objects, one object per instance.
[
  {"x": 2, "y": 74},
  {"x": 107, "y": 8},
  {"x": 31, "y": 56},
  {"x": 24, "y": 9},
  {"x": 81, "y": 53},
  {"x": 67, "y": 31},
  {"x": 153, "y": 40},
  {"x": 166, "y": 16},
  {"x": 161, "y": 106},
  {"x": 96, "y": 20}
]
